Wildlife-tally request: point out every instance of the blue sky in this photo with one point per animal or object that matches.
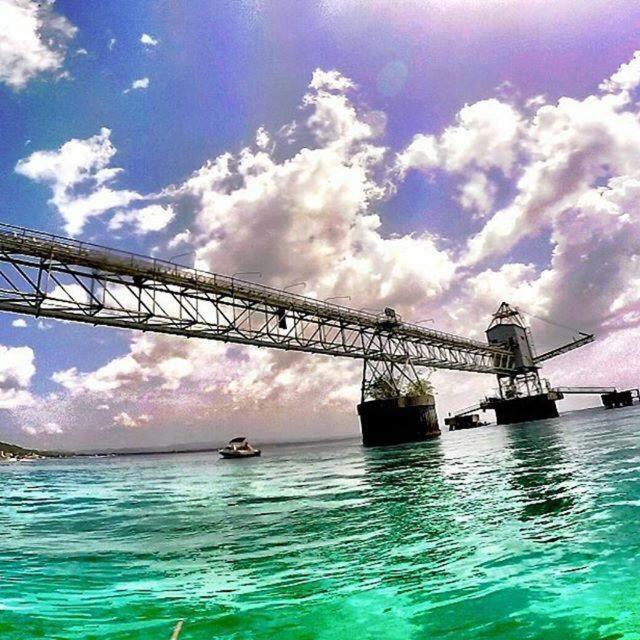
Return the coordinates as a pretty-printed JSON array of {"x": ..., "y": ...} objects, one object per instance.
[{"x": 219, "y": 71}]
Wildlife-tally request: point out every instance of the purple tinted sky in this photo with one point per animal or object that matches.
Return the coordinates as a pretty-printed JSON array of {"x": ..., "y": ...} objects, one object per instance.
[{"x": 227, "y": 67}]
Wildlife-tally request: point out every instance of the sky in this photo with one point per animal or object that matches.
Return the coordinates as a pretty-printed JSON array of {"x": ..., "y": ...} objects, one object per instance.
[{"x": 436, "y": 157}]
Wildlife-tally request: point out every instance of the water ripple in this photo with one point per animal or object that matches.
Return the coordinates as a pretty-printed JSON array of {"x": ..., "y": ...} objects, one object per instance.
[{"x": 530, "y": 531}]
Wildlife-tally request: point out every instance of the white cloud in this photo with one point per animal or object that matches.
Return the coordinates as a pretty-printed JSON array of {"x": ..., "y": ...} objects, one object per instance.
[
  {"x": 184, "y": 237},
  {"x": 251, "y": 210},
  {"x": 120, "y": 371},
  {"x": 422, "y": 153},
  {"x": 154, "y": 217},
  {"x": 70, "y": 170},
  {"x": 570, "y": 147},
  {"x": 625, "y": 80},
  {"x": 33, "y": 41},
  {"x": 317, "y": 204},
  {"x": 477, "y": 193},
  {"x": 123, "y": 419},
  {"x": 330, "y": 81},
  {"x": 334, "y": 119},
  {"x": 48, "y": 428},
  {"x": 111, "y": 44},
  {"x": 141, "y": 83},
  {"x": 80, "y": 176},
  {"x": 19, "y": 323},
  {"x": 17, "y": 368},
  {"x": 148, "y": 41},
  {"x": 487, "y": 134},
  {"x": 174, "y": 370},
  {"x": 262, "y": 138}
]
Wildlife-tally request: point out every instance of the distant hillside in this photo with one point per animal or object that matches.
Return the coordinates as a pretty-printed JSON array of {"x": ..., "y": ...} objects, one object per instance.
[{"x": 14, "y": 451}]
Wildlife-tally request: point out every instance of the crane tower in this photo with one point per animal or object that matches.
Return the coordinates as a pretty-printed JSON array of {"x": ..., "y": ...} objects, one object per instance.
[{"x": 522, "y": 394}]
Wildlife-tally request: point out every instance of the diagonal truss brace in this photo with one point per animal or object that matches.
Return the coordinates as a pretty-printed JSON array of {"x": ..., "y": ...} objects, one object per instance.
[{"x": 44, "y": 275}]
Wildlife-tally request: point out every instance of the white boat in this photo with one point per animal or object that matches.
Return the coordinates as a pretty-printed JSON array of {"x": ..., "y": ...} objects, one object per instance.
[{"x": 239, "y": 448}]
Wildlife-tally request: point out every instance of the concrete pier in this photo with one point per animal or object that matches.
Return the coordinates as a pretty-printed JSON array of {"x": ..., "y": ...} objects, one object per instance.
[
  {"x": 526, "y": 409},
  {"x": 398, "y": 420},
  {"x": 467, "y": 421},
  {"x": 617, "y": 399}
]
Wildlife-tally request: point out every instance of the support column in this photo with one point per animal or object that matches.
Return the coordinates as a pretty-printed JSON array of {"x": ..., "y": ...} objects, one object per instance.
[
  {"x": 616, "y": 399},
  {"x": 397, "y": 405},
  {"x": 523, "y": 398},
  {"x": 527, "y": 409}
]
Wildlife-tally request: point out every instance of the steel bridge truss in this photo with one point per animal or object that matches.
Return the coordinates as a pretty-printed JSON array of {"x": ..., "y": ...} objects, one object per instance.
[
  {"x": 53, "y": 277},
  {"x": 382, "y": 379}
]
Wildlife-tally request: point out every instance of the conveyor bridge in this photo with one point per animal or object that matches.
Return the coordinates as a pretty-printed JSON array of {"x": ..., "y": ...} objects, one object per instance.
[{"x": 55, "y": 277}]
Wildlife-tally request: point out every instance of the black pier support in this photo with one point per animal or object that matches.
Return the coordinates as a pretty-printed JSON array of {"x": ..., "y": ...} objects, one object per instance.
[
  {"x": 617, "y": 399},
  {"x": 398, "y": 420},
  {"x": 526, "y": 409}
]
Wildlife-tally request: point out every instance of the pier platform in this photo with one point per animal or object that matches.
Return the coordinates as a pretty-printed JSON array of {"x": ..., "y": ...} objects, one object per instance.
[
  {"x": 617, "y": 399},
  {"x": 398, "y": 420},
  {"x": 525, "y": 409}
]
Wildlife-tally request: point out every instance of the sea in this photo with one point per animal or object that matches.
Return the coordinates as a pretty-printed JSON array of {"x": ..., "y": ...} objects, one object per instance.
[{"x": 502, "y": 532}]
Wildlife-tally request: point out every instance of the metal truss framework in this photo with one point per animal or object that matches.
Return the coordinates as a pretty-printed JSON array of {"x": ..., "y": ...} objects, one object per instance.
[
  {"x": 382, "y": 379},
  {"x": 524, "y": 384},
  {"x": 585, "y": 338},
  {"x": 54, "y": 277}
]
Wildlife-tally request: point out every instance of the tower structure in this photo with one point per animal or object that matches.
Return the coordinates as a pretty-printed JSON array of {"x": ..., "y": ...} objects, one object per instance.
[
  {"x": 523, "y": 395},
  {"x": 508, "y": 328}
]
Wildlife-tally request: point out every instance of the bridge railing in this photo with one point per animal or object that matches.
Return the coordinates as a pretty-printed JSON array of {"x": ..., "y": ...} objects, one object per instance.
[
  {"x": 236, "y": 286},
  {"x": 584, "y": 390}
]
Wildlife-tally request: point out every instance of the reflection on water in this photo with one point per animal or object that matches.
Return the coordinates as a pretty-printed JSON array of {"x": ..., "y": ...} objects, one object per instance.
[
  {"x": 528, "y": 531},
  {"x": 542, "y": 472}
]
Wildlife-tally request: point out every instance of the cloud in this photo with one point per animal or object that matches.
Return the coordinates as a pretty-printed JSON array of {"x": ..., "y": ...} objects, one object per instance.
[
  {"x": 263, "y": 138},
  {"x": 334, "y": 119},
  {"x": 330, "y": 81},
  {"x": 17, "y": 368},
  {"x": 487, "y": 134},
  {"x": 123, "y": 419},
  {"x": 111, "y": 44},
  {"x": 624, "y": 80},
  {"x": 184, "y": 237},
  {"x": 154, "y": 217},
  {"x": 148, "y": 41},
  {"x": 79, "y": 176},
  {"x": 571, "y": 147},
  {"x": 293, "y": 217},
  {"x": 33, "y": 41},
  {"x": 258, "y": 214},
  {"x": 142, "y": 83},
  {"x": 111, "y": 377},
  {"x": 48, "y": 428},
  {"x": 19, "y": 323},
  {"x": 478, "y": 193},
  {"x": 81, "y": 179},
  {"x": 563, "y": 177}
]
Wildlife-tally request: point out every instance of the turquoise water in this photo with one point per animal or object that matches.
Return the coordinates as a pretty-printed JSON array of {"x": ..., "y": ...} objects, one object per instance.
[{"x": 529, "y": 531}]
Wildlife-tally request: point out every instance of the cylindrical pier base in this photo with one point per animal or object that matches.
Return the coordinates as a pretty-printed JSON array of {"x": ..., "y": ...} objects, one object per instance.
[
  {"x": 617, "y": 399},
  {"x": 398, "y": 420},
  {"x": 526, "y": 409}
]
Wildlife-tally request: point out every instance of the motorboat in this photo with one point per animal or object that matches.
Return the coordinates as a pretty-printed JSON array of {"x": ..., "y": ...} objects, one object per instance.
[{"x": 239, "y": 448}]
